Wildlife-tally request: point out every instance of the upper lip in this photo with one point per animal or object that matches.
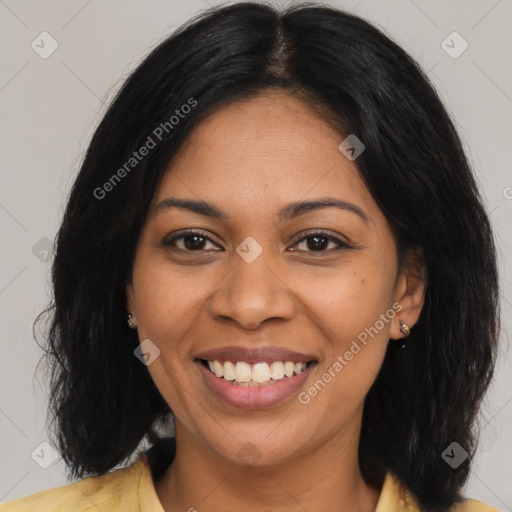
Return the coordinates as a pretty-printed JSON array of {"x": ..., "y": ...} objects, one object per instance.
[{"x": 253, "y": 354}]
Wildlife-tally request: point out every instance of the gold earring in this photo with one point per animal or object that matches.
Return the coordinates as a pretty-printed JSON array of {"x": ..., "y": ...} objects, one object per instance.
[
  {"x": 405, "y": 330},
  {"x": 129, "y": 319}
]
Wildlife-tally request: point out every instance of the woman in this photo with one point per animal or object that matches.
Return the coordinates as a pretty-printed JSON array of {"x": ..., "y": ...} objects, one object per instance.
[{"x": 275, "y": 234}]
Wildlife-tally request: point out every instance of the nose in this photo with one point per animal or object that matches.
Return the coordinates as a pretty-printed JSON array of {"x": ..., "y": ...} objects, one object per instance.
[{"x": 252, "y": 293}]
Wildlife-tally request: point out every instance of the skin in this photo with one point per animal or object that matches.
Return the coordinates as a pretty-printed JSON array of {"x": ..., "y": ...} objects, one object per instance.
[{"x": 250, "y": 159}]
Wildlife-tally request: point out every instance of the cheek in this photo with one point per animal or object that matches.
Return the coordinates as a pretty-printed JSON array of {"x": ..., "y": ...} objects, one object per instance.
[
  {"x": 354, "y": 311},
  {"x": 357, "y": 339},
  {"x": 351, "y": 300},
  {"x": 165, "y": 298},
  {"x": 166, "y": 303}
]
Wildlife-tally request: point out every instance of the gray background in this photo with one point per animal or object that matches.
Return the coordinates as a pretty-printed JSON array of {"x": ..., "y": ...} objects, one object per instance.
[{"x": 49, "y": 108}]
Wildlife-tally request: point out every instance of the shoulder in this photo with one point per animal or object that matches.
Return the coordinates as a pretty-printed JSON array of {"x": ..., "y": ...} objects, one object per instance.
[
  {"x": 117, "y": 490},
  {"x": 394, "y": 496},
  {"x": 472, "y": 506}
]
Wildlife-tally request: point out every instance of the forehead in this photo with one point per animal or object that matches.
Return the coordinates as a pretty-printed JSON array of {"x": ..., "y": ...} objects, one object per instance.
[{"x": 257, "y": 154}]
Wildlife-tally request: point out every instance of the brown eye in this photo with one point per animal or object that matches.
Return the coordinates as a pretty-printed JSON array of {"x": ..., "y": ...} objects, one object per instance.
[
  {"x": 191, "y": 241},
  {"x": 319, "y": 241}
]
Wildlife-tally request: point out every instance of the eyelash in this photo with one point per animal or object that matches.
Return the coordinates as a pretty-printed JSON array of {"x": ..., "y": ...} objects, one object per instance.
[{"x": 341, "y": 244}]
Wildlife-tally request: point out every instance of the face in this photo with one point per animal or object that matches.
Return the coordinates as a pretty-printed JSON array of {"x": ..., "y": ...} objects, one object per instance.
[{"x": 292, "y": 307}]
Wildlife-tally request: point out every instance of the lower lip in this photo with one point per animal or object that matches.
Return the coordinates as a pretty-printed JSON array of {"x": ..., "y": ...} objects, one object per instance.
[{"x": 254, "y": 397}]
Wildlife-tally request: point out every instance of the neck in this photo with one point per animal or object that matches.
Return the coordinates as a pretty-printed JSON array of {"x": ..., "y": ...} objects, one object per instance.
[{"x": 327, "y": 477}]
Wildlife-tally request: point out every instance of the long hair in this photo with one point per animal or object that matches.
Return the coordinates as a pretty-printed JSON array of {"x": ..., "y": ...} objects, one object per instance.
[{"x": 103, "y": 402}]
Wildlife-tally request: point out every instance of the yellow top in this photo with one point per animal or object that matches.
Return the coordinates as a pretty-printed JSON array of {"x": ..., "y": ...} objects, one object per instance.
[{"x": 131, "y": 490}]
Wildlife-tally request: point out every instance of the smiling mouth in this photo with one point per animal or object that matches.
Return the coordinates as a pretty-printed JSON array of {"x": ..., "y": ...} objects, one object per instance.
[{"x": 241, "y": 373}]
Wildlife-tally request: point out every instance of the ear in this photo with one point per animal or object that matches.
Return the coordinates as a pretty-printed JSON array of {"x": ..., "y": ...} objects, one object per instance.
[{"x": 409, "y": 291}]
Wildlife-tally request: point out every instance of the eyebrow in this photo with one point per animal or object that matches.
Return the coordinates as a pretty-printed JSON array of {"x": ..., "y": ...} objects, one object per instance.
[{"x": 288, "y": 212}]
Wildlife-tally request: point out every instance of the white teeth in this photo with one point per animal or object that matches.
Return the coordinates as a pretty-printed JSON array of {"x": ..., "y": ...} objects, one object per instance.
[
  {"x": 245, "y": 374},
  {"x": 277, "y": 370},
  {"x": 288, "y": 368},
  {"x": 229, "y": 370},
  {"x": 260, "y": 372},
  {"x": 217, "y": 368},
  {"x": 242, "y": 372}
]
